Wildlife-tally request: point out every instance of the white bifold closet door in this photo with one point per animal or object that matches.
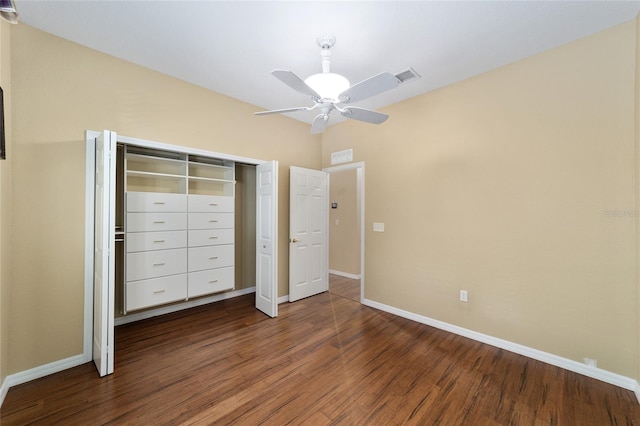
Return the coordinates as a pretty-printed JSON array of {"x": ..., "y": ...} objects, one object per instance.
[{"x": 104, "y": 252}]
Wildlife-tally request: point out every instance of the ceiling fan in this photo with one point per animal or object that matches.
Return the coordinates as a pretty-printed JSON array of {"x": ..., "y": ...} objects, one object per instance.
[{"x": 331, "y": 91}]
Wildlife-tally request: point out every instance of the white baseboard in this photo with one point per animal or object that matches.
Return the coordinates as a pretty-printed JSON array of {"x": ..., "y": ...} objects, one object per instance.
[
  {"x": 179, "y": 307},
  {"x": 558, "y": 361},
  {"x": 283, "y": 299},
  {"x": 38, "y": 372},
  {"x": 3, "y": 391},
  {"x": 345, "y": 274}
]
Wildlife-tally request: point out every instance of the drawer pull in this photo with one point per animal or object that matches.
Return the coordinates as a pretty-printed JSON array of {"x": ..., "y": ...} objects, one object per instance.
[
  {"x": 158, "y": 291},
  {"x": 213, "y": 204},
  {"x": 158, "y": 264},
  {"x": 213, "y": 238},
  {"x": 158, "y": 221},
  {"x": 159, "y": 202},
  {"x": 213, "y": 221},
  {"x": 213, "y": 258},
  {"x": 213, "y": 281},
  {"x": 158, "y": 241}
]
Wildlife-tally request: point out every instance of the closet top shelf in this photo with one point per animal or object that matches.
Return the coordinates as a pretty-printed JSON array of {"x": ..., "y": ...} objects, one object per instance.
[
  {"x": 155, "y": 174},
  {"x": 143, "y": 158}
]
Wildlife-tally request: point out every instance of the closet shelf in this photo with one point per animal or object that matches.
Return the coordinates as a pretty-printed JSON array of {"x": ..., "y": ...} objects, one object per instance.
[
  {"x": 205, "y": 179},
  {"x": 155, "y": 175}
]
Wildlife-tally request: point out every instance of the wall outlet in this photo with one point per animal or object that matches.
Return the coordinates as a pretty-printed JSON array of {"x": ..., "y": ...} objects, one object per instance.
[
  {"x": 464, "y": 296},
  {"x": 591, "y": 362}
]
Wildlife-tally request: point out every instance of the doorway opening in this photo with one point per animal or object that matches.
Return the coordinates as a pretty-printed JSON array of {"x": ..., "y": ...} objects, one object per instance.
[{"x": 346, "y": 230}]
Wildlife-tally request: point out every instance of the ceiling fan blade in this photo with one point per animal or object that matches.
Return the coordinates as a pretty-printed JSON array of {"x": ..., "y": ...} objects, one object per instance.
[
  {"x": 369, "y": 87},
  {"x": 281, "y": 111},
  {"x": 296, "y": 83},
  {"x": 362, "y": 114},
  {"x": 319, "y": 124}
]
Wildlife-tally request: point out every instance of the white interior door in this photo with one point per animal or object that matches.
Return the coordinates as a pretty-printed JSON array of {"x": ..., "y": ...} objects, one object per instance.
[
  {"x": 104, "y": 256},
  {"x": 308, "y": 233},
  {"x": 267, "y": 238}
]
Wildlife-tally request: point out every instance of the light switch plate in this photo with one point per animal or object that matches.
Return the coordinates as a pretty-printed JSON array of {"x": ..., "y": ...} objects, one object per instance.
[{"x": 378, "y": 227}]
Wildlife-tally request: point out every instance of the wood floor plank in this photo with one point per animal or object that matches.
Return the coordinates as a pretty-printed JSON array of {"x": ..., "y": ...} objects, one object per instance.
[{"x": 326, "y": 360}]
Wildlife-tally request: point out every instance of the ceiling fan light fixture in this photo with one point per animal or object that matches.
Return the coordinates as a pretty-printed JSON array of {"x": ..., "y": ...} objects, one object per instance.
[
  {"x": 328, "y": 85},
  {"x": 8, "y": 11}
]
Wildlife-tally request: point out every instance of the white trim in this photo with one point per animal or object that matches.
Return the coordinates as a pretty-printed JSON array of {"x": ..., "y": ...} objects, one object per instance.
[
  {"x": 4, "y": 389},
  {"x": 182, "y": 306},
  {"x": 90, "y": 172},
  {"x": 359, "y": 167},
  {"x": 558, "y": 361},
  {"x": 42, "y": 371},
  {"x": 168, "y": 147},
  {"x": 344, "y": 274},
  {"x": 283, "y": 299}
]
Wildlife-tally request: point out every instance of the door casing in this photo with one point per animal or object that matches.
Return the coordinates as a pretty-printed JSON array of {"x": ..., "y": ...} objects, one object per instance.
[{"x": 359, "y": 167}]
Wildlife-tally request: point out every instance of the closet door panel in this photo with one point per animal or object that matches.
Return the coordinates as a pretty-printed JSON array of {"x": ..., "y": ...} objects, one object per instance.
[
  {"x": 208, "y": 237},
  {"x": 144, "y": 241},
  {"x": 151, "y": 264},
  {"x": 211, "y": 281},
  {"x": 211, "y": 203},
  {"x": 146, "y": 222},
  {"x": 210, "y": 220},
  {"x": 156, "y": 202},
  {"x": 147, "y": 293},
  {"x": 201, "y": 258}
]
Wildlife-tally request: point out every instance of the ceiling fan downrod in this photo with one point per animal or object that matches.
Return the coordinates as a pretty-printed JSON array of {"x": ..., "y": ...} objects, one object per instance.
[{"x": 326, "y": 42}]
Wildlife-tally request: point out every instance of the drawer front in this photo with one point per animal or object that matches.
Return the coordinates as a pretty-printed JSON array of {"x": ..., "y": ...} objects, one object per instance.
[
  {"x": 152, "y": 264},
  {"x": 210, "y": 237},
  {"x": 210, "y": 203},
  {"x": 210, "y": 220},
  {"x": 144, "y": 241},
  {"x": 156, "y": 202},
  {"x": 211, "y": 281},
  {"x": 146, "y": 222},
  {"x": 147, "y": 293},
  {"x": 201, "y": 258}
]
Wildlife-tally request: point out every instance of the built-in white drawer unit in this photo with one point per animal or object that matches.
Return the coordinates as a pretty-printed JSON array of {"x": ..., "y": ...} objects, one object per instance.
[
  {"x": 144, "y": 241},
  {"x": 211, "y": 281},
  {"x": 209, "y": 237},
  {"x": 145, "y": 222},
  {"x": 147, "y": 293},
  {"x": 158, "y": 263},
  {"x": 201, "y": 258},
  {"x": 156, "y": 202},
  {"x": 210, "y": 220},
  {"x": 210, "y": 203}
]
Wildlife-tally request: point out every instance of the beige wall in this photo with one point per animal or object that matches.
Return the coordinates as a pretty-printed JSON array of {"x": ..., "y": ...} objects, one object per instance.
[
  {"x": 5, "y": 201},
  {"x": 636, "y": 343},
  {"x": 62, "y": 89},
  {"x": 245, "y": 230},
  {"x": 509, "y": 185},
  {"x": 344, "y": 236},
  {"x": 513, "y": 185}
]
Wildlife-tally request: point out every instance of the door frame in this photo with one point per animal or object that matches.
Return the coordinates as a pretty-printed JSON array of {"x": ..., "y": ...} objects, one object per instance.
[
  {"x": 90, "y": 136},
  {"x": 359, "y": 167}
]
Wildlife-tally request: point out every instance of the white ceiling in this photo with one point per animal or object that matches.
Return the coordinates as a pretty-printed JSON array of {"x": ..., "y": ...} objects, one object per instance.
[{"x": 232, "y": 46}]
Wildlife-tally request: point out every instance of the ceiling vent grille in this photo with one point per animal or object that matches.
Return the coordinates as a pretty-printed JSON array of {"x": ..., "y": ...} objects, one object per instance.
[{"x": 406, "y": 75}]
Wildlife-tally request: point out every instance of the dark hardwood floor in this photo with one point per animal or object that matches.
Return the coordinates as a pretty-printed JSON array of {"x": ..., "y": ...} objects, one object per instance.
[
  {"x": 325, "y": 360},
  {"x": 344, "y": 287}
]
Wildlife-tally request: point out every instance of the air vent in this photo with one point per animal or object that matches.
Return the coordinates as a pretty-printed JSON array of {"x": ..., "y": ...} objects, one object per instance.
[{"x": 407, "y": 75}]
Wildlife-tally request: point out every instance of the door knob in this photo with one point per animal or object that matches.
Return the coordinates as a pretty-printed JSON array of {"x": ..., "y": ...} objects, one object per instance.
[{"x": 294, "y": 240}]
